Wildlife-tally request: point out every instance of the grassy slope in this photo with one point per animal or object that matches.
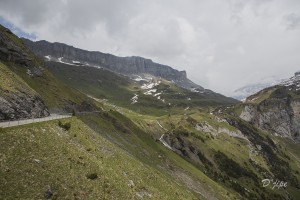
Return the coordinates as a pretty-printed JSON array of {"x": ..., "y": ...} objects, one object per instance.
[
  {"x": 34, "y": 157},
  {"x": 118, "y": 89},
  {"x": 10, "y": 82},
  {"x": 123, "y": 132},
  {"x": 99, "y": 83},
  {"x": 233, "y": 148}
]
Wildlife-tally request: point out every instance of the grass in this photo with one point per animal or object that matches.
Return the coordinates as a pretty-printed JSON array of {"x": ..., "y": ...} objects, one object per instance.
[
  {"x": 78, "y": 163},
  {"x": 144, "y": 148},
  {"x": 55, "y": 93},
  {"x": 118, "y": 90},
  {"x": 10, "y": 82}
]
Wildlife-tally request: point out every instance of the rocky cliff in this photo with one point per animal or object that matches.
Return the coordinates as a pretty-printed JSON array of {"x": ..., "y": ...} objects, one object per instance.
[
  {"x": 17, "y": 99},
  {"x": 123, "y": 65},
  {"x": 21, "y": 106},
  {"x": 276, "y": 109}
]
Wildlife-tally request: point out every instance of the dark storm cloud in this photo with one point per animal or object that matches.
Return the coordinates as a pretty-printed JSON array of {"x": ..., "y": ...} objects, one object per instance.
[{"x": 223, "y": 44}]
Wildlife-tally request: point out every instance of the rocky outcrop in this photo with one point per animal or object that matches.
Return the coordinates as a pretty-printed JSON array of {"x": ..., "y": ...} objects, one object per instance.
[
  {"x": 278, "y": 114},
  {"x": 21, "y": 106},
  {"x": 124, "y": 65},
  {"x": 11, "y": 52}
]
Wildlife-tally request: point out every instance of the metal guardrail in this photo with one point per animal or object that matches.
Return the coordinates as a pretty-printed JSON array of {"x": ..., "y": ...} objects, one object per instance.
[
  {"x": 54, "y": 116},
  {"x": 9, "y": 123},
  {"x": 87, "y": 112}
]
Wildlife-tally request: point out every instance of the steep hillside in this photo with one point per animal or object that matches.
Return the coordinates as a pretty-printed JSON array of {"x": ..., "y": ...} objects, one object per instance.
[
  {"x": 276, "y": 109},
  {"x": 76, "y": 164},
  {"x": 220, "y": 148},
  {"x": 232, "y": 152},
  {"x": 28, "y": 70},
  {"x": 145, "y": 95}
]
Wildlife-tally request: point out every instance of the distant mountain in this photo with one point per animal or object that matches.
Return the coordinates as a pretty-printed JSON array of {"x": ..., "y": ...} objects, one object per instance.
[
  {"x": 130, "y": 66},
  {"x": 119, "y": 79},
  {"x": 245, "y": 91}
]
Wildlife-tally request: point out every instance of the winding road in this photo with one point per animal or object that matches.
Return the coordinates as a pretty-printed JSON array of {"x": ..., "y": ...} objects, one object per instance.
[{"x": 35, "y": 120}]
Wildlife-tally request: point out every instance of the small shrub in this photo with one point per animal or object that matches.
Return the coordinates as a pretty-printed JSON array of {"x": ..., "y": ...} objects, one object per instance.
[
  {"x": 204, "y": 160},
  {"x": 191, "y": 121},
  {"x": 92, "y": 176},
  {"x": 120, "y": 127},
  {"x": 181, "y": 131},
  {"x": 66, "y": 126}
]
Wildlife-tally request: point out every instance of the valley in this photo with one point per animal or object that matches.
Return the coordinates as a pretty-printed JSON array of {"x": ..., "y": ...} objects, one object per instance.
[{"x": 138, "y": 130}]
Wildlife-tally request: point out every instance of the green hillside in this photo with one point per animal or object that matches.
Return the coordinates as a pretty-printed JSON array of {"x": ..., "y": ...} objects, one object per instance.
[
  {"x": 44, "y": 160},
  {"x": 118, "y": 89},
  {"x": 167, "y": 143}
]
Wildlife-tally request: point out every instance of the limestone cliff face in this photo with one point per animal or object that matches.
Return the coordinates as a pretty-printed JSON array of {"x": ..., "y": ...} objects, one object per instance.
[
  {"x": 278, "y": 113},
  {"x": 125, "y": 65},
  {"x": 278, "y": 116},
  {"x": 17, "y": 99},
  {"x": 21, "y": 106}
]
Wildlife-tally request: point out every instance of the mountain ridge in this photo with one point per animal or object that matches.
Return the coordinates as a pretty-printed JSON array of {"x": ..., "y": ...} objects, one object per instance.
[{"x": 126, "y": 65}]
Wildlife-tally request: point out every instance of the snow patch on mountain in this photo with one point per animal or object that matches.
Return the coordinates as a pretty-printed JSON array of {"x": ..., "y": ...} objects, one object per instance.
[
  {"x": 150, "y": 92},
  {"x": 139, "y": 78},
  {"x": 293, "y": 81},
  {"x": 48, "y": 57},
  {"x": 60, "y": 59},
  {"x": 150, "y": 85},
  {"x": 134, "y": 99},
  {"x": 157, "y": 94}
]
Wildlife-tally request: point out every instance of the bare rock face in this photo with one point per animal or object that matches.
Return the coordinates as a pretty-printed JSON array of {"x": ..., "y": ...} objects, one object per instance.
[
  {"x": 280, "y": 116},
  {"x": 21, "y": 106}
]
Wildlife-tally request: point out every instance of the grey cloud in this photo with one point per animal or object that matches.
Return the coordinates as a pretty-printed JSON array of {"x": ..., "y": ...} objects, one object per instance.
[
  {"x": 82, "y": 15},
  {"x": 28, "y": 12},
  {"x": 223, "y": 45},
  {"x": 292, "y": 21}
]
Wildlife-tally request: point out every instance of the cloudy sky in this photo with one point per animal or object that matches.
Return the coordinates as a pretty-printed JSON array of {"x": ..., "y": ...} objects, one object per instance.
[{"x": 222, "y": 44}]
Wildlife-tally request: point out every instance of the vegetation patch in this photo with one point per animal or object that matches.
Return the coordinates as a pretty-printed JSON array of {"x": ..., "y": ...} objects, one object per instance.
[{"x": 66, "y": 126}]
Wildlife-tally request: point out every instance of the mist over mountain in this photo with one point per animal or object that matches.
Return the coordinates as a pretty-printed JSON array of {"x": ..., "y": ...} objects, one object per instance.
[{"x": 248, "y": 90}]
